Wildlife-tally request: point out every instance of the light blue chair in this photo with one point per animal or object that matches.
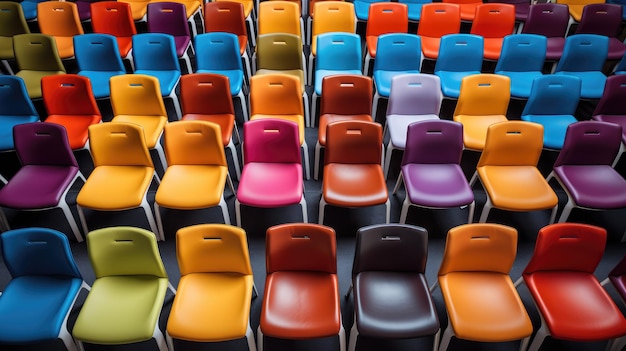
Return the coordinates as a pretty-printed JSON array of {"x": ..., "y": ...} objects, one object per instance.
[
  {"x": 522, "y": 59},
  {"x": 460, "y": 55},
  {"x": 98, "y": 58},
  {"x": 36, "y": 303},
  {"x": 30, "y": 9},
  {"x": 415, "y": 8},
  {"x": 15, "y": 108},
  {"x": 584, "y": 56},
  {"x": 362, "y": 8},
  {"x": 552, "y": 103}
]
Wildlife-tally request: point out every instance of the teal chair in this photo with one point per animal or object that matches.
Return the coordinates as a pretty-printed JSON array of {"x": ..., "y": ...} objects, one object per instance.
[
  {"x": 15, "y": 108},
  {"x": 522, "y": 59},
  {"x": 584, "y": 56},
  {"x": 460, "y": 55},
  {"x": 98, "y": 58}
]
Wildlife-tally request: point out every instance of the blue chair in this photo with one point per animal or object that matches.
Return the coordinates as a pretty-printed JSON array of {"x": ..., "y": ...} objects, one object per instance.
[
  {"x": 218, "y": 52},
  {"x": 521, "y": 59},
  {"x": 397, "y": 53},
  {"x": 415, "y": 8},
  {"x": 98, "y": 58},
  {"x": 36, "y": 303},
  {"x": 460, "y": 55},
  {"x": 15, "y": 108},
  {"x": 362, "y": 8},
  {"x": 155, "y": 55},
  {"x": 584, "y": 56},
  {"x": 30, "y": 9},
  {"x": 552, "y": 103}
]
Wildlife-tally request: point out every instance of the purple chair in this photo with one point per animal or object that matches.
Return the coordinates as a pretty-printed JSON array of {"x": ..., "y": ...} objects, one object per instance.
[
  {"x": 549, "y": 20},
  {"x": 84, "y": 9},
  {"x": 522, "y": 8},
  {"x": 583, "y": 167},
  {"x": 617, "y": 277},
  {"x": 604, "y": 19},
  {"x": 48, "y": 171},
  {"x": 611, "y": 107},
  {"x": 431, "y": 170},
  {"x": 171, "y": 18}
]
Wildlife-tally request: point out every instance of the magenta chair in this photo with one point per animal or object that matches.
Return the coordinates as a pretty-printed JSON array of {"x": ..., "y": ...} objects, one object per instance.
[
  {"x": 550, "y": 20},
  {"x": 604, "y": 19},
  {"x": 611, "y": 107}
]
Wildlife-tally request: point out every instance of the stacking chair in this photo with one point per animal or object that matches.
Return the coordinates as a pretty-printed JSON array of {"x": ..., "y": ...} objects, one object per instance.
[
  {"x": 362, "y": 8},
  {"x": 84, "y": 9},
  {"x": 414, "y": 8},
  {"x": 584, "y": 56},
  {"x": 15, "y": 108},
  {"x": 12, "y": 22},
  {"x": 392, "y": 257},
  {"x": 482, "y": 303},
  {"x": 331, "y": 16},
  {"x": 170, "y": 18},
  {"x": 434, "y": 147},
  {"x": 467, "y": 8},
  {"x": 60, "y": 20},
  {"x": 301, "y": 261},
  {"x": 127, "y": 296},
  {"x": 212, "y": 302},
  {"x": 138, "y": 9},
  {"x": 272, "y": 171},
  {"x": 493, "y": 21},
  {"x": 522, "y": 8},
  {"x": 36, "y": 56},
  {"x": 617, "y": 277},
  {"x": 115, "y": 18},
  {"x": 249, "y": 13},
  {"x": 564, "y": 260},
  {"x": 29, "y": 8},
  {"x": 522, "y": 60},
  {"x": 98, "y": 58},
  {"x": 610, "y": 107},
  {"x": 575, "y": 8},
  {"x": 280, "y": 17},
  {"x": 604, "y": 19},
  {"x": 48, "y": 172},
  {"x": 189, "y": 11},
  {"x": 550, "y": 20},
  {"x": 384, "y": 18},
  {"x": 353, "y": 176},
  {"x": 45, "y": 282},
  {"x": 437, "y": 20},
  {"x": 509, "y": 159},
  {"x": 460, "y": 55}
]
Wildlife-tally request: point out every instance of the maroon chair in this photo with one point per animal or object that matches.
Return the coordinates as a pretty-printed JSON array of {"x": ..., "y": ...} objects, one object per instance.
[
  {"x": 617, "y": 277},
  {"x": 549, "y": 20},
  {"x": 611, "y": 107},
  {"x": 604, "y": 19}
]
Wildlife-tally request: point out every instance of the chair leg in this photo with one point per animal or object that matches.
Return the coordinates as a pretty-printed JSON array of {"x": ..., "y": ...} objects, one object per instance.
[
  {"x": 310, "y": 71},
  {"x": 7, "y": 66},
  {"x": 305, "y": 217},
  {"x": 375, "y": 105},
  {"x": 616, "y": 344},
  {"x": 176, "y": 103},
  {"x": 80, "y": 345},
  {"x": 470, "y": 217},
  {"x": 342, "y": 337},
  {"x": 436, "y": 340},
  {"x": 151, "y": 221},
  {"x": 390, "y": 149},
  {"x": 83, "y": 221},
  {"x": 398, "y": 183},
  {"x": 447, "y": 336},
  {"x": 307, "y": 109},
  {"x": 307, "y": 167},
  {"x": 542, "y": 333},
  {"x": 321, "y": 210},
  {"x": 316, "y": 161},
  {"x": 388, "y": 210},
  {"x": 238, "y": 212},
  {"x": 67, "y": 338},
  {"x": 224, "y": 210},
  {"x": 567, "y": 209},
  {"x": 233, "y": 153},
  {"x": 250, "y": 338},
  {"x": 159, "y": 149},
  {"x": 259, "y": 339},
  {"x": 486, "y": 209},
  {"x": 70, "y": 219},
  {"x": 170, "y": 341},
  {"x": 313, "y": 115},
  {"x": 366, "y": 64},
  {"x": 354, "y": 333},
  {"x": 4, "y": 222},
  {"x": 158, "y": 337},
  {"x": 244, "y": 109},
  {"x": 524, "y": 343},
  {"x": 405, "y": 209}
]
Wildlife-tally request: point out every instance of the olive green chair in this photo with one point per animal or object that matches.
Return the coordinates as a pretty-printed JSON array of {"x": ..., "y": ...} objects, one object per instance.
[
  {"x": 12, "y": 22},
  {"x": 36, "y": 56}
]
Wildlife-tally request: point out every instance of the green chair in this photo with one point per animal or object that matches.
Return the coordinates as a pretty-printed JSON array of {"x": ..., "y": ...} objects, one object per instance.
[
  {"x": 37, "y": 56},
  {"x": 12, "y": 22},
  {"x": 127, "y": 295}
]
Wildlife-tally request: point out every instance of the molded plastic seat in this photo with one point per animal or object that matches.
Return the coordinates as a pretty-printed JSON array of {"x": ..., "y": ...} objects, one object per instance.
[
  {"x": 437, "y": 20},
  {"x": 98, "y": 58},
  {"x": 170, "y": 18},
  {"x": 460, "y": 55},
  {"x": 115, "y": 18},
  {"x": 280, "y": 16},
  {"x": 493, "y": 21},
  {"x": 610, "y": 107},
  {"x": 549, "y": 20},
  {"x": 467, "y": 7},
  {"x": 249, "y": 12},
  {"x": 61, "y": 21},
  {"x": 36, "y": 57},
  {"x": 332, "y": 16},
  {"x": 522, "y": 60},
  {"x": 12, "y": 22},
  {"x": 384, "y": 18},
  {"x": 584, "y": 56},
  {"x": 362, "y": 8},
  {"x": 604, "y": 19},
  {"x": 414, "y": 8},
  {"x": 138, "y": 8},
  {"x": 15, "y": 108},
  {"x": 575, "y": 8}
]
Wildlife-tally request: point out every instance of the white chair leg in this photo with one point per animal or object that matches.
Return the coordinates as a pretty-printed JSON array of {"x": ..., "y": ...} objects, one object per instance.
[
  {"x": 83, "y": 222},
  {"x": 542, "y": 333},
  {"x": 250, "y": 338},
  {"x": 7, "y": 66},
  {"x": 366, "y": 64},
  {"x": 244, "y": 109},
  {"x": 224, "y": 210},
  {"x": 307, "y": 167},
  {"x": 259, "y": 339},
  {"x": 176, "y": 103},
  {"x": 470, "y": 217},
  {"x": 233, "y": 153},
  {"x": 390, "y": 149},
  {"x": 321, "y": 210},
  {"x": 70, "y": 218},
  {"x": 305, "y": 217},
  {"x": 567, "y": 209},
  {"x": 524, "y": 343},
  {"x": 316, "y": 161},
  {"x": 307, "y": 109},
  {"x": 151, "y": 221},
  {"x": 157, "y": 217},
  {"x": 616, "y": 344},
  {"x": 447, "y": 336},
  {"x": 486, "y": 209},
  {"x": 158, "y": 337},
  {"x": 436, "y": 340},
  {"x": 313, "y": 115},
  {"x": 375, "y": 105},
  {"x": 170, "y": 341},
  {"x": 310, "y": 71},
  {"x": 399, "y": 182},
  {"x": 405, "y": 209},
  {"x": 238, "y": 212},
  {"x": 388, "y": 210}
]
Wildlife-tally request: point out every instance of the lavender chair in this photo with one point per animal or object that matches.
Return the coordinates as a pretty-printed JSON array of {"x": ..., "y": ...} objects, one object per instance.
[
  {"x": 413, "y": 98},
  {"x": 611, "y": 107},
  {"x": 48, "y": 171},
  {"x": 171, "y": 18},
  {"x": 604, "y": 19},
  {"x": 549, "y": 20},
  {"x": 583, "y": 168},
  {"x": 431, "y": 170}
]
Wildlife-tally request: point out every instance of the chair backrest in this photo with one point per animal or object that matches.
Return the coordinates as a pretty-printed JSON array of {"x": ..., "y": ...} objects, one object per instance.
[
  {"x": 590, "y": 143},
  {"x": 484, "y": 94},
  {"x": 602, "y": 19},
  {"x": 434, "y": 142},
  {"x": 194, "y": 143},
  {"x": 333, "y": 16},
  {"x": 553, "y": 94},
  {"x": 391, "y": 248},
  {"x": 12, "y": 20},
  {"x": 460, "y": 52},
  {"x": 479, "y": 247},
  {"x": 155, "y": 51},
  {"x": 387, "y": 17},
  {"x": 512, "y": 143},
  {"x": 212, "y": 248},
  {"x": 198, "y": 88},
  {"x": 548, "y": 19},
  {"x": 301, "y": 247},
  {"x": 583, "y": 52},
  {"x": 353, "y": 142},
  {"x": 68, "y": 94},
  {"x": 97, "y": 52},
  {"x": 59, "y": 18},
  {"x": 118, "y": 144},
  {"x": 346, "y": 95},
  {"x": 266, "y": 89},
  {"x": 38, "y": 251},
  {"x": 217, "y": 51},
  {"x": 112, "y": 17},
  {"x": 279, "y": 17},
  {"x": 36, "y": 52},
  {"x": 612, "y": 100},
  {"x": 571, "y": 247},
  {"x": 44, "y": 144},
  {"x": 136, "y": 94},
  {"x": 224, "y": 16},
  {"x": 279, "y": 51},
  {"x": 270, "y": 140},
  {"x": 439, "y": 19},
  {"x": 398, "y": 52},
  {"x": 415, "y": 94},
  {"x": 120, "y": 251},
  {"x": 168, "y": 18},
  {"x": 14, "y": 100},
  {"x": 338, "y": 51},
  {"x": 522, "y": 53},
  {"x": 494, "y": 20}
]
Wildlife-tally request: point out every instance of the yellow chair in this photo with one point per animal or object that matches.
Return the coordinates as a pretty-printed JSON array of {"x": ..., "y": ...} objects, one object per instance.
[
  {"x": 138, "y": 8},
  {"x": 60, "y": 20},
  {"x": 212, "y": 302},
  {"x": 280, "y": 17},
  {"x": 481, "y": 300},
  {"x": 136, "y": 98},
  {"x": 197, "y": 171},
  {"x": 507, "y": 169},
  {"x": 122, "y": 173},
  {"x": 36, "y": 56},
  {"x": 483, "y": 101}
]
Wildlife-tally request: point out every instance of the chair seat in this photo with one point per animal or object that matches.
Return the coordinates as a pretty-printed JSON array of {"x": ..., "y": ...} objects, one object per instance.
[
  {"x": 451, "y": 82},
  {"x": 430, "y": 47},
  {"x": 598, "y": 187},
  {"x": 216, "y": 307},
  {"x": 226, "y": 122},
  {"x": 437, "y": 185},
  {"x": 345, "y": 185},
  {"x": 65, "y": 46},
  {"x": 394, "y": 305},
  {"x": 502, "y": 183},
  {"x": 475, "y": 129},
  {"x": 287, "y": 311},
  {"x": 492, "y": 48},
  {"x": 76, "y": 127},
  {"x": 121, "y": 310},
  {"x": 235, "y": 78},
  {"x": 32, "y": 80},
  {"x": 321, "y": 73},
  {"x": 152, "y": 126},
  {"x": 188, "y": 187},
  {"x": 100, "y": 81},
  {"x": 328, "y": 118},
  {"x": 617, "y": 119},
  {"x": 6, "y": 48},
  {"x": 558, "y": 296},
  {"x": 167, "y": 79},
  {"x": 6, "y": 129},
  {"x": 298, "y": 119},
  {"x": 554, "y": 128},
  {"x": 554, "y": 48},
  {"x": 397, "y": 126},
  {"x": 484, "y": 306},
  {"x": 592, "y": 83},
  {"x": 36, "y": 186},
  {"x": 115, "y": 187},
  {"x": 49, "y": 300},
  {"x": 382, "y": 80},
  {"x": 521, "y": 82},
  {"x": 260, "y": 185},
  {"x": 125, "y": 44}
]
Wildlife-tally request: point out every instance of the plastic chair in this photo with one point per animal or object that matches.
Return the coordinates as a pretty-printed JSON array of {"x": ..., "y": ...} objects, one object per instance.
[
  {"x": 45, "y": 282},
  {"x": 522, "y": 59},
  {"x": 552, "y": 103},
  {"x": 249, "y": 13},
  {"x": 584, "y": 56},
  {"x": 15, "y": 108},
  {"x": 437, "y": 20},
  {"x": 460, "y": 55},
  {"x": 565, "y": 258},
  {"x": 98, "y": 58},
  {"x": 522, "y": 8},
  {"x": 280, "y": 17},
  {"x": 493, "y": 22},
  {"x": 412, "y": 98},
  {"x": 467, "y": 8},
  {"x": 195, "y": 90},
  {"x": 549, "y": 20},
  {"x": 431, "y": 168},
  {"x": 620, "y": 67},
  {"x": 510, "y": 158},
  {"x": 610, "y": 107},
  {"x": 12, "y": 22},
  {"x": 272, "y": 169},
  {"x": 353, "y": 176},
  {"x": 390, "y": 260},
  {"x": 604, "y": 19},
  {"x": 212, "y": 303},
  {"x": 69, "y": 101},
  {"x": 483, "y": 101},
  {"x": 197, "y": 172},
  {"x": 414, "y": 8},
  {"x": 60, "y": 20},
  {"x": 331, "y": 16},
  {"x": 138, "y": 9},
  {"x": 265, "y": 90},
  {"x": 301, "y": 261},
  {"x": 362, "y": 7},
  {"x": 170, "y": 18},
  {"x": 115, "y": 18},
  {"x": 122, "y": 173},
  {"x": 29, "y": 7},
  {"x": 616, "y": 278},
  {"x": 126, "y": 299},
  {"x": 482, "y": 303},
  {"x": 384, "y": 18},
  {"x": 191, "y": 10},
  {"x": 218, "y": 53},
  {"x": 575, "y": 8},
  {"x": 36, "y": 57},
  {"x": 84, "y": 9},
  {"x": 349, "y": 98}
]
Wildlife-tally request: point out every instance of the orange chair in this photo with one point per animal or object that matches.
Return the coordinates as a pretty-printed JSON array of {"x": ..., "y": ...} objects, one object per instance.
[
  {"x": 437, "y": 20},
  {"x": 482, "y": 303},
  {"x": 138, "y": 8},
  {"x": 493, "y": 22},
  {"x": 280, "y": 17},
  {"x": 212, "y": 302},
  {"x": 60, "y": 20},
  {"x": 384, "y": 18},
  {"x": 467, "y": 7},
  {"x": 115, "y": 18},
  {"x": 343, "y": 13},
  {"x": 301, "y": 299},
  {"x": 353, "y": 175}
]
